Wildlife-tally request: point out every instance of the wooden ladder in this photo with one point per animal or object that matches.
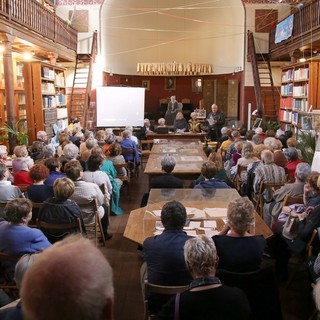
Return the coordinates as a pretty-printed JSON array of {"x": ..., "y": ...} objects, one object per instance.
[
  {"x": 81, "y": 89},
  {"x": 263, "y": 82}
]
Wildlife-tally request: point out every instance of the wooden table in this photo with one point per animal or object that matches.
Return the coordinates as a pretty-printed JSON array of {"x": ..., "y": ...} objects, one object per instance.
[
  {"x": 178, "y": 136},
  {"x": 140, "y": 225},
  {"x": 189, "y": 157}
]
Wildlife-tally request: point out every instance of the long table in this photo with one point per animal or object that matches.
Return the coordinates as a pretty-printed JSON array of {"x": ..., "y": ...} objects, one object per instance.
[
  {"x": 178, "y": 136},
  {"x": 141, "y": 224},
  {"x": 189, "y": 157}
]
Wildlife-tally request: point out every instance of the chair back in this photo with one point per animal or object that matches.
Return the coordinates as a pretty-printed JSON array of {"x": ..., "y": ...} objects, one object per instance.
[
  {"x": 134, "y": 162},
  {"x": 6, "y": 282},
  {"x": 125, "y": 166},
  {"x": 150, "y": 288},
  {"x": 96, "y": 226},
  {"x": 238, "y": 181},
  {"x": 288, "y": 200},
  {"x": 260, "y": 288},
  {"x": 45, "y": 226}
]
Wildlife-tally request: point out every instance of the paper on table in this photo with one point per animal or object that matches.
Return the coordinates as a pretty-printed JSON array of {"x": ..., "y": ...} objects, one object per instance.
[
  {"x": 211, "y": 233},
  {"x": 193, "y": 225},
  {"x": 210, "y": 224},
  {"x": 216, "y": 212},
  {"x": 157, "y": 213},
  {"x": 191, "y": 233},
  {"x": 191, "y": 158},
  {"x": 195, "y": 213},
  {"x": 157, "y": 232},
  {"x": 159, "y": 225}
]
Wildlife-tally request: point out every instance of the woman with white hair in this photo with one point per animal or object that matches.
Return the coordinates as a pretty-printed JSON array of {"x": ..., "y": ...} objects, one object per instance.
[
  {"x": 271, "y": 210},
  {"x": 206, "y": 298},
  {"x": 239, "y": 250},
  {"x": 21, "y": 153}
]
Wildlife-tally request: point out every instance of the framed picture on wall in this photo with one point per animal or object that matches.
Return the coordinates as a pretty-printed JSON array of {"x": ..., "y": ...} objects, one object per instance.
[
  {"x": 196, "y": 84},
  {"x": 146, "y": 84},
  {"x": 169, "y": 83}
]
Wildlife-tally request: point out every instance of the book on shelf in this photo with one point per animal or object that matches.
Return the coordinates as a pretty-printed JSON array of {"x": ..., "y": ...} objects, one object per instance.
[
  {"x": 300, "y": 105},
  {"x": 300, "y": 91},
  {"x": 301, "y": 74},
  {"x": 287, "y": 89},
  {"x": 287, "y": 75},
  {"x": 286, "y": 102}
]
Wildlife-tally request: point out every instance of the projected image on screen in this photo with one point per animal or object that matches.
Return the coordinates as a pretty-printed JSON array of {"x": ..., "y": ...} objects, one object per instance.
[{"x": 120, "y": 106}]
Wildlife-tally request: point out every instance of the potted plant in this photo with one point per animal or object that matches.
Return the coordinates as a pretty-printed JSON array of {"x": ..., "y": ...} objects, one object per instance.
[
  {"x": 306, "y": 142},
  {"x": 19, "y": 130}
]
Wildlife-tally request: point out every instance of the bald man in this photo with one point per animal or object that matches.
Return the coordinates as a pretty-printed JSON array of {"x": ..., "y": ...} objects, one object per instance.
[{"x": 70, "y": 280}]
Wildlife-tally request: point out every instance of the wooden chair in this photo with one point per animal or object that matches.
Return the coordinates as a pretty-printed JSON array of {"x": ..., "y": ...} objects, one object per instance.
[
  {"x": 23, "y": 190},
  {"x": 288, "y": 200},
  {"x": 96, "y": 226},
  {"x": 6, "y": 283},
  {"x": 57, "y": 231},
  {"x": 301, "y": 258},
  {"x": 125, "y": 179},
  {"x": 145, "y": 147},
  {"x": 106, "y": 201},
  {"x": 259, "y": 200},
  {"x": 158, "y": 289},
  {"x": 35, "y": 209},
  {"x": 133, "y": 163},
  {"x": 238, "y": 179},
  {"x": 260, "y": 288}
]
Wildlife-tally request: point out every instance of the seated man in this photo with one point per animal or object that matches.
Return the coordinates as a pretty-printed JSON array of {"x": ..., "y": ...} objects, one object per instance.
[
  {"x": 82, "y": 289},
  {"x": 167, "y": 180},
  {"x": 147, "y": 128},
  {"x": 209, "y": 170},
  {"x": 84, "y": 193},
  {"x": 267, "y": 172},
  {"x": 164, "y": 253}
]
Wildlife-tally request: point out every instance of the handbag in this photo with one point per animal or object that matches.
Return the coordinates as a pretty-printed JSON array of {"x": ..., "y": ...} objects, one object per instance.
[{"x": 290, "y": 228}]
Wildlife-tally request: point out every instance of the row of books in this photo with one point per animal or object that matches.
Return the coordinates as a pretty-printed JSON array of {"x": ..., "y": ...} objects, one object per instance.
[
  {"x": 59, "y": 80},
  {"x": 300, "y": 105},
  {"x": 53, "y": 101},
  {"x": 285, "y": 115},
  {"x": 48, "y": 88},
  {"x": 48, "y": 73},
  {"x": 286, "y": 102},
  {"x": 287, "y": 75},
  {"x": 295, "y": 75},
  {"x": 300, "y": 91},
  {"x": 287, "y": 89}
]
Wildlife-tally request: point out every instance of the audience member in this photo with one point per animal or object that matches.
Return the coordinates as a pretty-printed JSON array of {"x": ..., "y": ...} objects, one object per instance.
[
  {"x": 71, "y": 280},
  {"x": 90, "y": 144},
  {"x": 63, "y": 140},
  {"x": 235, "y": 134},
  {"x": 224, "y": 134},
  {"x": 163, "y": 253},
  {"x": 132, "y": 136},
  {"x": 15, "y": 236},
  {"x": 311, "y": 191},
  {"x": 60, "y": 209},
  {"x": 208, "y": 171},
  {"x": 116, "y": 157},
  {"x": 21, "y": 176},
  {"x": 13, "y": 310},
  {"x": 7, "y": 191},
  {"x": 21, "y": 153},
  {"x": 109, "y": 140},
  {"x": 38, "y": 191},
  {"x": 36, "y": 150},
  {"x": 238, "y": 249},
  {"x": 267, "y": 172},
  {"x": 293, "y": 160},
  {"x": 127, "y": 144},
  {"x": 206, "y": 297},
  {"x": 272, "y": 209},
  {"x": 256, "y": 140},
  {"x": 108, "y": 167},
  {"x": 167, "y": 180},
  {"x": 53, "y": 164},
  {"x": 42, "y": 137},
  {"x": 87, "y": 135},
  {"x": 101, "y": 136},
  {"x": 278, "y": 155},
  {"x": 259, "y": 132},
  {"x": 84, "y": 193}
]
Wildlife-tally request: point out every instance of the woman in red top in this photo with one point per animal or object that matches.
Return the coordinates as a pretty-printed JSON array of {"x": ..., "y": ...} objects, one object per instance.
[{"x": 293, "y": 160}]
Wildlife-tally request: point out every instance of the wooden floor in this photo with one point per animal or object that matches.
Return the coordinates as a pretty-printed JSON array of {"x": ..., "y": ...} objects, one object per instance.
[{"x": 125, "y": 260}]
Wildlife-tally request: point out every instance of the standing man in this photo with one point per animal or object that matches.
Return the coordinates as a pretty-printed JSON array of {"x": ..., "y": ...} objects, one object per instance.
[
  {"x": 216, "y": 122},
  {"x": 173, "y": 108}
]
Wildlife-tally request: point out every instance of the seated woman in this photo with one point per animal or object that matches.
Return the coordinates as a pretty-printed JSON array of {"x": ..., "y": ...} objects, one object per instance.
[
  {"x": 60, "y": 209},
  {"x": 238, "y": 250},
  {"x": 293, "y": 160},
  {"x": 108, "y": 167},
  {"x": 282, "y": 248},
  {"x": 95, "y": 175},
  {"x": 21, "y": 177},
  {"x": 162, "y": 128},
  {"x": 206, "y": 298},
  {"x": 90, "y": 143},
  {"x": 216, "y": 158},
  {"x": 117, "y": 158},
  {"x": 194, "y": 123},
  {"x": 16, "y": 237},
  {"x": 271, "y": 210},
  {"x": 208, "y": 171},
  {"x": 180, "y": 123},
  {"x": 53, "y": 164},
  {"x": 20, "y": 153},
  {"x": 126, "y": 144}
]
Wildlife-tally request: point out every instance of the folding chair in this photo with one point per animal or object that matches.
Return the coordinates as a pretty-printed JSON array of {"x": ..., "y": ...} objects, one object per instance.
[{"x": 132, "y": 163}]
